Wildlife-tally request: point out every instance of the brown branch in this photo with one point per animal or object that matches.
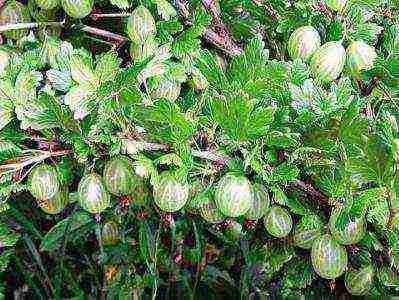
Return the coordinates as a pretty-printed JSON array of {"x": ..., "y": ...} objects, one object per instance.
[
  {"x": 132, "y": 146},
  {"x": 19, "y": 26},
  {"x": 223, "y": 42},
  {"x": 272, "y": 12},
  {"x": 219, "y": 34},
  {"x": 29, "y": 157},
  {"x": 120, "y": 40},
  {"x": 310, "y": 190},
  {"x": 215, "y": 156},
  {"x": 221, "y": 159},
  {"x": 214, "y": 10},
  {"x": 368, "y": 89},
  {"x": 60, "y": 153},
  {"x": 184, "y": 11},
  {"x": 323, "y": 8},
  {"x": 96, "y": 16}
]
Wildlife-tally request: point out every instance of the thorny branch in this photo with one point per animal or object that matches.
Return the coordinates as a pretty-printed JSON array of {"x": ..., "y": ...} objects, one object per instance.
[
  {"x": 220, "y": 158},
  {"x": 368, "y": 89},
  {"x": 18, "y": 26},
  {"x": 120, "y": 40},
  {"x": 310, "y": 190},
  {"x": 323, "y": 8},
  {"x": 28, "y": 158},
  {"x": 219, "y": 35},
  {"x": 88, "y": 29},
  {"x": 96, "y": 16},
  {"x": 272, "y": 12}
]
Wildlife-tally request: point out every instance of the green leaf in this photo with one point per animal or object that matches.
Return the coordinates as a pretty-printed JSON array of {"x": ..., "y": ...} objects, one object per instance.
[
  {"x": 7, "y": 238},
  {"x": 300, "y": 274},
  {"x": 387, "y": 70},
  {"x": 42, "y": 113},
  {"x": 189, "y": 41},
  {"x": 60, "y": 81},
  {"x": 393, "y": 241},
  {"x": 341, "y": 93},
  {"x": 279, "y": 197},
  {"x": 8, "y": 150},
  {"x": 391, "y": 41},
  {"x": 297, "y": 207},
  {"x": 284, "y": 172},
  {"x": 122, "y": 4},
  {"x": 213, "y": 274},
  {"x": 78, "y": 100},
  {"x": 245, "y": 66},
  {"x": 282, "y": 140},
  {"x": 73, "y": 224},
  {"x": 395, "y": 195},
  {"x": 368, "y": 199},
  {"x": 201, "y": 18},
  {"x": 260, "y": 119},
  {"x": 27, "y": 61},
  {"x": 165, "y": 9},
  {"x": 165, "y": 121},
  {"x": 5, "y": 259},
  {"x": 156, "y": 66},
  {"x": 329, "y": 183},
  {"x": 299, "y": 72},
  {"x": 63, "y": 57},
  {"x": 276, "y": 257},
  {"x": 379, "y": 213},
  {"x": 49, "y": 50},
  {"x": 374, "y": 164},
  {"x": 81, "y": 70},
  {"x": 367, "y": 32},
  {"x": 52, "y": 238},
  {"x": 353, "y": 130},
  {"x": 34, "y": 111},
  {"x": 6, "y": 109},
  {"x": 147, "y": 246},
  {"x": 310, "y": 97},
  {"x": 239, "y": 118},
  {"x": 25, "y": 87},
  {"x": 209, "y": 66},
  {"x": 107, "y": 66}
]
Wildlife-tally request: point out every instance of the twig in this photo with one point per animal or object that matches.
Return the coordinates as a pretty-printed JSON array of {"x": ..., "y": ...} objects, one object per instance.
[
  {"x": 323, "y": 8},
  {"x": 29, "y": 157},
  {"x": 223, "y": 42},
  {"x": 219, "y": 35},
  {"x": 200, "y": 261},
  {"x": 114, "y": 15},
  {"x": 132, "y": 147},
  {"x": 184, "y": 11},
  {"x": 211, "y": 155},
  {"x": 104, "y": 33},
  {"x": 213, "y": 9},
  {"x": 38, "y": 260},
  {"x": 309, "y": 189},
  {"x": 272, "y": 12},
  {"x": 367, "y": 90},
  {"x": 18, "y": 26},
  {"x": 220, "y": 158}
]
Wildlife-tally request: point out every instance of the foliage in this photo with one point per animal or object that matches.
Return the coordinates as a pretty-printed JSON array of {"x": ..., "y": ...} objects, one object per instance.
[{"x": 198, "y": 90}]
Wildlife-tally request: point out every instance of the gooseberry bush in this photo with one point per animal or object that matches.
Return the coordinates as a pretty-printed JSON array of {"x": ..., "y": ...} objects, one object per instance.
[{"x": 194, "y": 149}]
